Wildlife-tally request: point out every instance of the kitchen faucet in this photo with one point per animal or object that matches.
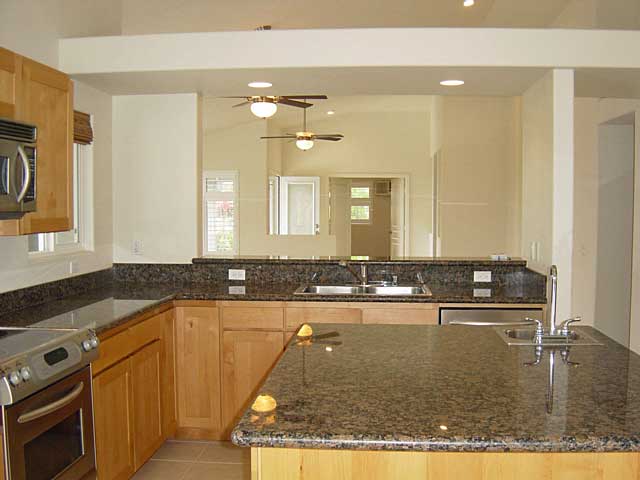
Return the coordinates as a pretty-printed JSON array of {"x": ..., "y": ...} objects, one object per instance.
[
  {"x": 361, "y": 277},
  {"x": 554, "y": 328}
]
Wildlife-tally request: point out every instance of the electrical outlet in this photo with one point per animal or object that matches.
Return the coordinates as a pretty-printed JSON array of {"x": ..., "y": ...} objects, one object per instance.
[
  {"x": 482, "y": 292},
  {"x": 137, "y": 247},
  {"x": 237, "y": 290},
  {"x": 236, "y": 274},
  {"x": 482, "y": 276}
]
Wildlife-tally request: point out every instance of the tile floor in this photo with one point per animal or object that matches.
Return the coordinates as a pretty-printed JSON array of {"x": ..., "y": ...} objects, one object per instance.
[{"x": 178, "y": 460}]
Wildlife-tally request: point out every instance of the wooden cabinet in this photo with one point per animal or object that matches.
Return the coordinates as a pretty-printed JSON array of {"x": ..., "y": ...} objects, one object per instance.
[
  {"x": 8, "y": 66},
  {"x": 297, "y": 313},
  {"x": 198, "y": 372},
  {"x": 252, "y": 315},
  {"x": 248, "y": 356},
  {"x": 147, "y": 403},
  {"x": 42, "y": 96},
  {"x": 113, "y": 408},
  {"x": 132, "y": 387},
  {"x": 401, "y": 314}
]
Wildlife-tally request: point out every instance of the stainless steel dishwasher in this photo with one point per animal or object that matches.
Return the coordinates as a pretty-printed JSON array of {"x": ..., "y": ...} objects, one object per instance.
[{"x": 488, "y": 317}]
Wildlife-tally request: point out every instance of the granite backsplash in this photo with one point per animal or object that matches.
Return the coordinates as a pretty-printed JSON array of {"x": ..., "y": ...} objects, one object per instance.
[{"x": 507, "y": 276}]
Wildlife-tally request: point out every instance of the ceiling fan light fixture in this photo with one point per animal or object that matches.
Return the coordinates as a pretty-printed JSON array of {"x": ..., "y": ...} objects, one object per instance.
[
  {"x": 304, "y": 144},
  {"x": 264, "y": 108}
]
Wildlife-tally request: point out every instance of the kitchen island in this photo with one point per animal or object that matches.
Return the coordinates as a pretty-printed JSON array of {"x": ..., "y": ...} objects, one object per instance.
[{"x": 379, "y": 401}]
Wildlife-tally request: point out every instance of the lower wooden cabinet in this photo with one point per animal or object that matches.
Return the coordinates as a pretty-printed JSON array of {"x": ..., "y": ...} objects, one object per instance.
[
  {"x": 248, "y": 356},
  {"x": 198, "y": 372},
  {"x": 113, "y": 422},
  {"x": 147, "y": 401}
]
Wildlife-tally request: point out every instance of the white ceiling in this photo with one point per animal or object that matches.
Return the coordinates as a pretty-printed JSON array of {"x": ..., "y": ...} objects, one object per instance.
[{"x": 329, "y": 81}]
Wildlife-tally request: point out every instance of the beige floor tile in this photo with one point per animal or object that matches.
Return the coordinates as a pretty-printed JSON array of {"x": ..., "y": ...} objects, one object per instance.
[
  {"x": 224, "y": 452},
  {"x": 162, "y": 470},
  {"x": 218, "y": 471},
  {"x": 182, "y": 451}
]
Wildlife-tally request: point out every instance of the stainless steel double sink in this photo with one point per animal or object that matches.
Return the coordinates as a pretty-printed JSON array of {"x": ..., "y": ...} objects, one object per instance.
[
  {"x": 356, "y": 290},
  {"x": 525, "y": 337}
]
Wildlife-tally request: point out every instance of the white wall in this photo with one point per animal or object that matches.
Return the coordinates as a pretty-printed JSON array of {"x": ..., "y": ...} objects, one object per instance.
[
  {"x": 479, "y": 176},
  {"x": 37, "y": 39},
  {"x": 155, "y": 177},
  {"x": 382, "y": 143},
  {"x": 537, "y": 172}
]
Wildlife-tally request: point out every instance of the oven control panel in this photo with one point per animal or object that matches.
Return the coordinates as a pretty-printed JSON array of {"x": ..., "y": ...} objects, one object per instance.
[{"x": 26, "y": 374}]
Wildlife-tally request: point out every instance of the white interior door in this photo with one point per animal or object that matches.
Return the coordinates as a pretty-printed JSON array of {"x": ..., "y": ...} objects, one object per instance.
[
  {"x": 397, "y": 217},
  {"x": 299, "y": 205},
  {"x": 340, "y": 214}
]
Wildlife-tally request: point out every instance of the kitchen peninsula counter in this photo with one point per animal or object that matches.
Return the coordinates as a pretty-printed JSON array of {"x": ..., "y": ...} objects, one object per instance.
[{"x": 446, "y": 389}]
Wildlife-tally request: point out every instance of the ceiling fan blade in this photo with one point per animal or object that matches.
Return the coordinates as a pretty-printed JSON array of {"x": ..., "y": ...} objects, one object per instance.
[
  {"x": 280, "y": 136},
  {"x": 239, "y": 96},
  {"x": 302, "y": 97},
  {"x": 241, "y": 104},
  {"x": 294, "y": 103},
  {"x": 331, "y": 138}
]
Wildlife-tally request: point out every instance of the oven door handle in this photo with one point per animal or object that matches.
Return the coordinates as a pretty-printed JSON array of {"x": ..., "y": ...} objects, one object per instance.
[
  {"x": 53, "y": 406},
  {"x": 26, "y": 174}
]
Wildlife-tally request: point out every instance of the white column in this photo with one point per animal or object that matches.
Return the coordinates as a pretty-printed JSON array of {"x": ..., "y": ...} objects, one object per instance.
[{"x": 563, "y": 159}]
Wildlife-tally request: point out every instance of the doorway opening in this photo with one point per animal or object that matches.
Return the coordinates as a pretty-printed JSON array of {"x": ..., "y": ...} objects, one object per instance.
[
  {"x": 368, "y": 215},
  {"x": 616, "y": 159}
]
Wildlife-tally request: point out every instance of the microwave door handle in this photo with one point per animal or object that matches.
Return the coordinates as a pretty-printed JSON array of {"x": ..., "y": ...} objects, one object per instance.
[
  {"x": 53, "y": 406},
  {"x": 26, "y": 175}
]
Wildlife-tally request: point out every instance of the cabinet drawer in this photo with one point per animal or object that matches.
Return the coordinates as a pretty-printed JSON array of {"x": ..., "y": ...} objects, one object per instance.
[
  {"x": 148, "y": 330},
  {"x": 297, "y": 316},
  {"x": 112, "y": 350},
  {"x": 400, "y": 316},
  {"x": 255, "y": 318}
]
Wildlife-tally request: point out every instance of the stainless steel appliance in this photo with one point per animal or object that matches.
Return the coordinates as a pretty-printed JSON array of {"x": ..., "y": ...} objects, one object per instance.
[
  {"x": 488, "y": 317},
  {"x": 45, "y": 393},
  {"x": 17, "y": 169}
]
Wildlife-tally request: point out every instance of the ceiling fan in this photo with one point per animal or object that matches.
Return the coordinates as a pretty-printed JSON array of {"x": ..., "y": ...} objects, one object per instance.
[
  {"x": 304, "y": 139},
  {"x": 265, "y": 106}
]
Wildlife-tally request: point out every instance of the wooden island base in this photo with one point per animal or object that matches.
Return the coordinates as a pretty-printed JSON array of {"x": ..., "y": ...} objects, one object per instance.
[{"x": 308, "y": 464}]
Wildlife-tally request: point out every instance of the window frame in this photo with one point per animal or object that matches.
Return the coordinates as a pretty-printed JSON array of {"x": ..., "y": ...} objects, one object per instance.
[
  {"x": 82, "y": 215},
  {"x": 361, "y": 202},
  {"x": 233, "y": 174}
]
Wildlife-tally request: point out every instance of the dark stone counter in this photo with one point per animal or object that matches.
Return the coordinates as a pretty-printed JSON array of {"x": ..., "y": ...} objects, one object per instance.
[{"x": 446, "y": 388}]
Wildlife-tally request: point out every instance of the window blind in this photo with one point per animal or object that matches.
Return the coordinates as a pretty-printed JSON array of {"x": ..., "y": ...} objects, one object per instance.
[
  {"x": 220, "y": 197},
  {"x": 82, "y": 131}
]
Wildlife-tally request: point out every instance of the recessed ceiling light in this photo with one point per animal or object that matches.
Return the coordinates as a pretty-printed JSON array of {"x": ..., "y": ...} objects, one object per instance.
[
  {"x": 331, "y": 112},
  {"x": 260, "y": 84},
  {"x": 452, "y": 83},
  {"x": 469, "y": 3}
]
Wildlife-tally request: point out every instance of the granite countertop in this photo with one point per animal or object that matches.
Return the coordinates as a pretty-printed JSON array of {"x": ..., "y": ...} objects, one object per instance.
[
  {"x": 112, "y": 304},
  {"x": 446, "y": 388}
]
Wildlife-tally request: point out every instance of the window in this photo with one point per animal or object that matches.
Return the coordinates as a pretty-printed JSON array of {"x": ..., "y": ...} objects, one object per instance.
[
  {"x": 79, "y": 237},
  {"x": 361, "y": 203},
  {"x": 220, "y": 213}
]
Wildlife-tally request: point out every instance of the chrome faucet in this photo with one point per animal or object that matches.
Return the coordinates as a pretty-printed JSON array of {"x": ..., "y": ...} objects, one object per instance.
[
  {"x": 361, "y": 277},
  {"x": 554, "y": 328}
]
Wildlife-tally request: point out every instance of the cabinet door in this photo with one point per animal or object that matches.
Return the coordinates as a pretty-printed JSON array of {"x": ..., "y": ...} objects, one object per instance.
[
  {"x": 113, "y": 407},
  {"x": 168, "y": 375},
  {"x": 46, "y": 100},
  {"x": 7, "y": 83},
  {"x": 296, "y": 316},
  {"x": 146, "y": 391},
  {"x": 400, "y": 316},
  {"x": 198, "y": 372},
  {"x": 247, "y": 359}
]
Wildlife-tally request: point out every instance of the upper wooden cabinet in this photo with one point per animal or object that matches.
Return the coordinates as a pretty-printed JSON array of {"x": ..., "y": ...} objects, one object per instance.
[
  {"x": 8, "y": 65},
  {"x": 40, "y": 95}
]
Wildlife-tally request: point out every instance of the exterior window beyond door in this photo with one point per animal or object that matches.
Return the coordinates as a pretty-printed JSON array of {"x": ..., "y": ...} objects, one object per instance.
[{"x": 220, "y": 213}]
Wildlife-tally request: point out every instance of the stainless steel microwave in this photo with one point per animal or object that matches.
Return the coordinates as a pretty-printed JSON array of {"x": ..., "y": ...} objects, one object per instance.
[{"x": 17, "y": 169}]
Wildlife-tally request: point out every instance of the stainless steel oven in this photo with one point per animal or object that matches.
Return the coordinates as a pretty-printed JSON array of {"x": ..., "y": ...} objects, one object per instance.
[
  {"x": 49, "y": 435},
  {"x": 17, "y": 169}
]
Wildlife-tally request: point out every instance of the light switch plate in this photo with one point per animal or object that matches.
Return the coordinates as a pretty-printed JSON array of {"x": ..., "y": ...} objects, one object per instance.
[
  {"x": 482, "y": 276},
  {"x": 482, "y": 292},
  {"x": 237, "y": 290},
  {"x": 236, "y": 274}
]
